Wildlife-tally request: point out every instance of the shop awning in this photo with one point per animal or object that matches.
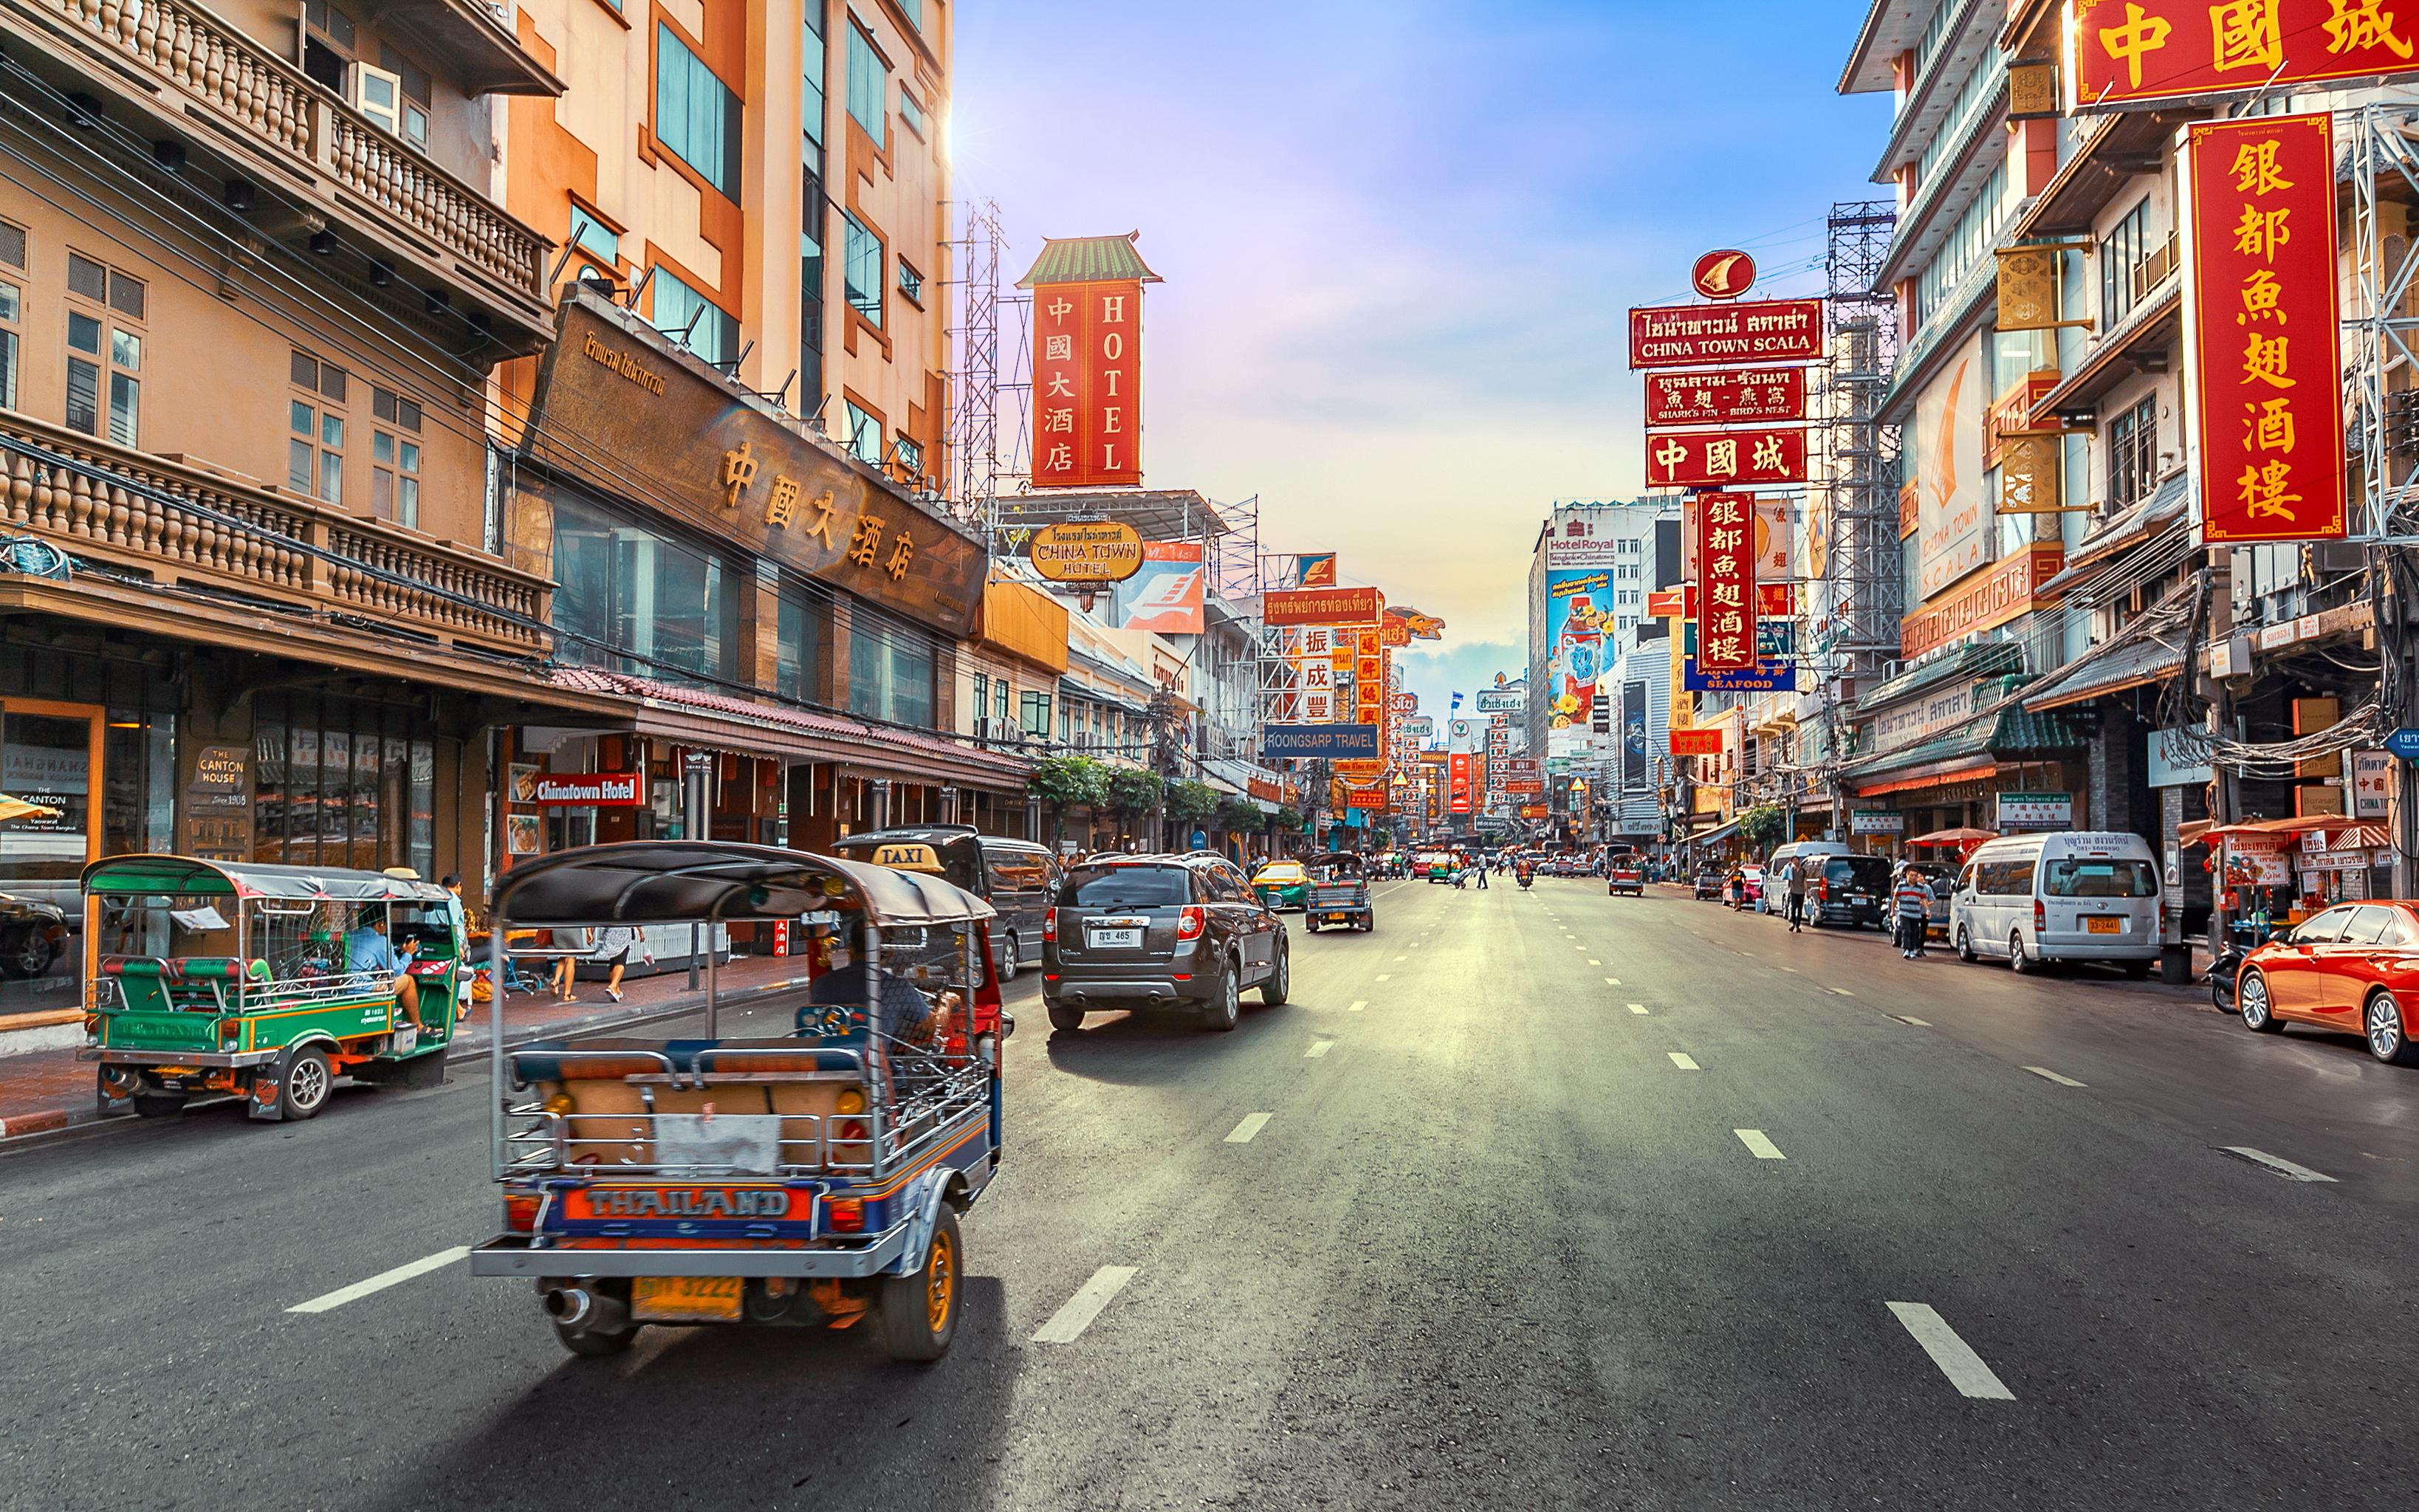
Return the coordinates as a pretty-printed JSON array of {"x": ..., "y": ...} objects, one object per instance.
[
  {"x": 1974, "y": 748},
  {"x": 2128, "y": 661},
  {"x": 1721, "y": 832},
  {"x": 718, "y": 722},
  {"x": 2273, "y": 828},
  {"x": 1980, "y": 659}
]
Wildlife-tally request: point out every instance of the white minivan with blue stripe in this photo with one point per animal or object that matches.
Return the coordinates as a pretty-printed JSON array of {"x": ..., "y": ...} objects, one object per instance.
[{"x": 2082, "y": 895}]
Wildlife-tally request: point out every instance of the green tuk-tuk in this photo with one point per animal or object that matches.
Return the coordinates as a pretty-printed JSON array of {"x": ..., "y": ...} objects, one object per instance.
[{"x": 266, "y": 982}]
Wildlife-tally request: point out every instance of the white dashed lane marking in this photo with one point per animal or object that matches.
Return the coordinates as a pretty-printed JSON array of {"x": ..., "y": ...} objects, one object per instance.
[
  {"x": 1318, "y": 1050},
  {"x": 1904, "y": 1018},
  {"x": 1594, "y": 962},
  {"x": 1639, "y": 1009},
  {"x": 1761, "y": 1147},
  {"x": 2048, "y": 1075},
  {"x": 1683, "y": 1060},
  {"x": 2276, "y": 1163},
  {"x": 1841, "y": 990},
  {"x": 1385, "y": 975},
  {"x": 1953, "y": 1355},
  {"x": 1251, "y": 1125},
  {"x": 382, "y": 1280},
  {"x": 1067, "y": 1323},
  {"x": 1358, "y": 1004}
]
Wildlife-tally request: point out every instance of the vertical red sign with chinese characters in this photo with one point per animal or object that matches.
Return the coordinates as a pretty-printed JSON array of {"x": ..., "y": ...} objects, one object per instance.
[
  {"x": 1458, "y": 782},
  {"x": 1725, "y": 582},
  {"x": 1087, "y": 384},
  {"x": 2262, "y": 316}
]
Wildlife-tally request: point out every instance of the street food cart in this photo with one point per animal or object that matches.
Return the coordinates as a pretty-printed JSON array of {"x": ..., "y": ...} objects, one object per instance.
[
  {"x": 812, "y": 1179},
  {"x": 234, "y": 977}
]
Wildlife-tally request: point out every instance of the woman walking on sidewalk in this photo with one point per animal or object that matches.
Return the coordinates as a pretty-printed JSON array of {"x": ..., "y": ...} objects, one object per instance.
[
  {"x": 617, "y": 946},
  {"x": 1911, "y": 899}
]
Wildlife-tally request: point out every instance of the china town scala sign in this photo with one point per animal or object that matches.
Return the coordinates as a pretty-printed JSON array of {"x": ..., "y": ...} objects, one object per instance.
[{"x": 1702, "y": 335}]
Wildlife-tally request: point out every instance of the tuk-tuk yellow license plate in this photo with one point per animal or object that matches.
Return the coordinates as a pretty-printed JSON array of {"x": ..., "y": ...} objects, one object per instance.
[{"x": 686, "y": 1299}]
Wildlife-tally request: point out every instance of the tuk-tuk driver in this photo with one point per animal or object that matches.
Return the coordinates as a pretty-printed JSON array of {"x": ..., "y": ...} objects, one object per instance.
[{"x": 368, "y": 949}]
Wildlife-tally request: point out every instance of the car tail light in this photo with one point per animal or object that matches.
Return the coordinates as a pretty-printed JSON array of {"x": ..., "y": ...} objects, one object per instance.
[
  {"x": 230, "y": 1028},
  {"x": 1050, "y": 926},
  {"x": 520, "y": 1212},
  {"x": 846, "y": 1215},
  {"x": 1191, "y": 922},
  {"x": 2041, "y": 916}
]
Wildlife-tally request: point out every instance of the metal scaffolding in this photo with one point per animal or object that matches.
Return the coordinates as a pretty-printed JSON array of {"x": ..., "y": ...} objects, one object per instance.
[
  {"x": 2385, "y": 318},
  {"x": 1858, "y": 492},
  {"x": 973, "y": 414}
]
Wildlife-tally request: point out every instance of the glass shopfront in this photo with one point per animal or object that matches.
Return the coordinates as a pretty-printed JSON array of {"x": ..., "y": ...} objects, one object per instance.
[{"x": 340, "y": 782}]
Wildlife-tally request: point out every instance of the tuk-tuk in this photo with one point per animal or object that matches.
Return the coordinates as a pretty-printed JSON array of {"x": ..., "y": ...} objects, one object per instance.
[
  {"x": 813, "y": 1178},
  {"x": 1439, "y": 866},
  {"x": 1340, "y": 891},
  {"x": 227, "y": 976}
]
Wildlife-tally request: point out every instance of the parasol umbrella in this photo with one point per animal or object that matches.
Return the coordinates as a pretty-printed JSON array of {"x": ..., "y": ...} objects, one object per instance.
[{"x": 1964, "y": 835}]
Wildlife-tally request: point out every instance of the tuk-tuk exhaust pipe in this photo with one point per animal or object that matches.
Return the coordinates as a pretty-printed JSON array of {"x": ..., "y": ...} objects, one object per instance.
[{"x": 579, "y": 1307}]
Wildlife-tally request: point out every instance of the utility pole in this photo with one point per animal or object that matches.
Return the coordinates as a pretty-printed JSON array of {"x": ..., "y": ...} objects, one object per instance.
[{"x": 1163, "y": 758}]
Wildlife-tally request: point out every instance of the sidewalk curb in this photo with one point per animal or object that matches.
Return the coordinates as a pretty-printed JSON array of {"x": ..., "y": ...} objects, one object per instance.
[{"x": 27, "y": 1131}]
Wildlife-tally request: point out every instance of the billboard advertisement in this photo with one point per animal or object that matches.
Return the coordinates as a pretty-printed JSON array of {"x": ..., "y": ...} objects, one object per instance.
[
  {"x": 1164, "y": 594},
  {"x": 1633, "y": 734},
  {"x": 1457, "y": 780},
  {"x": 1580, "y": 617},
  {"x": 1943, "y": 456},
  {"x": 1087, "y": 384},
  {"x": 2266, "y": 407}
]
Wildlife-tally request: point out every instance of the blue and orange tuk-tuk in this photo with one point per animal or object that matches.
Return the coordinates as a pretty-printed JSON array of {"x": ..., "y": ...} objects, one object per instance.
[{"x": 814, "y": 1178}]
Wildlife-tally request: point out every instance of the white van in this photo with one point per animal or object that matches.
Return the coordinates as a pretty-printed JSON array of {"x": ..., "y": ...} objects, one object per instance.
[
  {"x": 2082, "y": 895},
  {"x": 1775, "y": 900}
]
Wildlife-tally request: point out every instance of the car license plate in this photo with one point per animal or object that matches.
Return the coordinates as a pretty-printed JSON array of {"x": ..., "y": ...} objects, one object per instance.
[
  {"x": 686, "y": 1299},
  {"x": 2102, "y": 924},
  {"x": 1114, "y": 939}
]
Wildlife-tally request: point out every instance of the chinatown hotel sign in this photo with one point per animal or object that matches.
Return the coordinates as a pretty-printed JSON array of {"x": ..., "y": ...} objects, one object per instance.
[{"x": 612, "y": 405}]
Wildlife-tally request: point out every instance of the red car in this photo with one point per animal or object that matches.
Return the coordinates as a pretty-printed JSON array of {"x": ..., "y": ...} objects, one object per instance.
[{"x": 2354, "y": 968}]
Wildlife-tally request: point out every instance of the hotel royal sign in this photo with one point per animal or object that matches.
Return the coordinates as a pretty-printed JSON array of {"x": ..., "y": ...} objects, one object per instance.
[
  {"x": 2120, "y": 53},
  {"x": 2261, "y": 315}
]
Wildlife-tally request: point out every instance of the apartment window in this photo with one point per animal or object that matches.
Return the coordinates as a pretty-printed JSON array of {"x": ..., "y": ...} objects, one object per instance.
[
  {"x": 1034, "y": 715},
  {"x": 696, "y": 120},
  {"x": 2125, "y": 245},
  {"x": 594, "y": 237},
  {"x": 395, "y": 458},
  {"x": 910, "y": 282},
  {"x": 11, "y": 312},
  {"x": 914, "y": 10},
  {"x": 911, "y": 115},
  {"x": 982, "y": 695},
  {"x": 861, "y": 269},
  {"x": 329, "y": 41},
  {"x": 1067, "y": 721},
  {"x": 105, "y": 365},
  {"x": 797, "y": 645},
  {"x": 868, "y": 80},
  {"x": 419, "y": 94},
  {"x": 812, "y": 62},
  {"x": 681, "y": 312},
  {"x": 863, "y": 435},
  {"x": 314, "y": 441},
  {"x": 2134, "y": 455},
  {"x": 999, "y": 691}
]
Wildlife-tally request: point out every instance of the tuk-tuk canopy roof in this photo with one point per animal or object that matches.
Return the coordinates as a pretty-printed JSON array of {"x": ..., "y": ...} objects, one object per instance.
[
  {"x": 1333, "y": 861},
  {"x": 682, "y": 882},
  {"x": 185, "y": 875}
]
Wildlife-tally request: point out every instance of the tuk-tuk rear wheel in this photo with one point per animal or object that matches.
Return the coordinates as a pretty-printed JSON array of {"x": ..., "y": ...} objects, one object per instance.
[
  {"x": 304, "y": 1082},
  {"x": 919, "y": 1312}
]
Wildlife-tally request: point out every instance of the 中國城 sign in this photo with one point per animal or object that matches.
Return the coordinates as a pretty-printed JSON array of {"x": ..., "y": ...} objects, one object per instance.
[
  {"x": 2125, "y": 54},
  {"x": 1702, "y": 335},
  {"x": 2264, "y": 371},
  {"x": 1724, "y": 459}
]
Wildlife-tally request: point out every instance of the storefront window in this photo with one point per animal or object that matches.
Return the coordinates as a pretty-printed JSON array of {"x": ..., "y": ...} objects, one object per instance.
[
  {"x": 341, "y": 783},
  {"x": 642, "y": 600},
  {"x": 890, "y": 677},
  {"x": 797, "y": 646}
]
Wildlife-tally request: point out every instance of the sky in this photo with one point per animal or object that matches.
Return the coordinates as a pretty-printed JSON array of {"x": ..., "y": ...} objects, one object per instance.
[{"x": 1400, "y": 240}]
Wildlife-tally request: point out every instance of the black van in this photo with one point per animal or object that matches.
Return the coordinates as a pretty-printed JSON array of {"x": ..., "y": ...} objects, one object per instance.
[
  {"x": 1849, "y": 889},
  {"x": 1017, "y": 878}
]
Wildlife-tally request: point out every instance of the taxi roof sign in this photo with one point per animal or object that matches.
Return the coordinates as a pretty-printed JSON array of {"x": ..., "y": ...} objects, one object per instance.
[{"x": 908, "y": 858}]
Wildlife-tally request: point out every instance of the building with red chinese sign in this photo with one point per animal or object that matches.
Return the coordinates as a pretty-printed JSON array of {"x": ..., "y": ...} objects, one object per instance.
[{"x": 1086, "y": 399}]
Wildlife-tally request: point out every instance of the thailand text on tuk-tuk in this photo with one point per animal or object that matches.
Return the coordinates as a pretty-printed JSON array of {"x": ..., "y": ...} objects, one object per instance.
[
  {"x": 263, "y": 982},
  {"x": 810, "y": 1179}
]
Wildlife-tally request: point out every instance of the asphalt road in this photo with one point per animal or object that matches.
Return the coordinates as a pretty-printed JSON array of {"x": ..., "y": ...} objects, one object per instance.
[{"x": 1558, "y": 1200}]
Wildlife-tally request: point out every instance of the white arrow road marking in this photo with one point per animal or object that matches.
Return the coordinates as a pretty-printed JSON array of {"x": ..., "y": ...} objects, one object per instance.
[
  {"x": 1953, "y": 1355},
  {"x": 1358, "y": 1004},
  {"x": 381, "y": 1281},
  {"x": 2048, "y": 1075},
  {"x": 1067, "y": 1323},
  {"x": 1251, "y": 1125},
  {"x": 1318, "y": 1050},
  {"x": 2276, "y": 1163},
  {"x": 1755, "y": 1141},
  {"x": 1684, "y": 1061}
]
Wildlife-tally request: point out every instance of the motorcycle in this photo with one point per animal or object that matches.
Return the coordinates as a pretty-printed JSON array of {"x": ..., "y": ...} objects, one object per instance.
[
  {"x": 1524, "y": 881},
  {"x": 2226, "y": 967}
]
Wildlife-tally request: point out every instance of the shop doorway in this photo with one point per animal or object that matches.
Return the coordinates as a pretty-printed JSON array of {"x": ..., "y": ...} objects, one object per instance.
[{"x": 50, "y": 763}]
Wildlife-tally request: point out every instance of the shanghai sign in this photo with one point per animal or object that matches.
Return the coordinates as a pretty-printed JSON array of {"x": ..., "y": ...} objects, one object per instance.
[
  {"x": 2127, "y": 53},
  {"x": 1726, "y": 562},
  {"x": 1697, "y": 336},
  {"x": 1086, "y": 552},
  {"x": 1087, "y": 384},
  {"x": 1725, "y": 458},
  {"x": 2260, "y": 313},
  {"x": 1726, "y": 396}
]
